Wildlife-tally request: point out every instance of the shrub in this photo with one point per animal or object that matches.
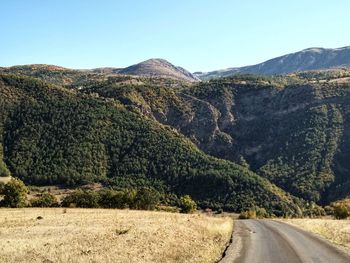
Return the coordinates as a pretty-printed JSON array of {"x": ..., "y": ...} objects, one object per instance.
[
  {"x": 261, "y": 213},
  {"x": 146, "y": 199},
  {"x": 4, "y": 172},
  {"x": 341, "y": 212},
  {"x": 81, "y": 198},
  {"x": 249, "y": 214},
  {"x": 45, "y": 200},
  {"x": 113, "y": 199},
  {"x": 187, "y": 205},
  {"x": 329, "y": 210},
  {"x": 15, "y": 193}
]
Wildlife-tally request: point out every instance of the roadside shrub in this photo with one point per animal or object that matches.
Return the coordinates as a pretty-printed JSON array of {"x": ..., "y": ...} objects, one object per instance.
[
  {"x": 329, "y": 210},
  {"x": 341, "y": 212},
  {"x": 313, "y": 211},
  {"x": 261, "y": 212},
  {"x": 187, "y": 205},
  {"x": 249, "y": 214},
  {"x": 15, "y": 193},
  {"x": 81, "y": 198},
  {"x": 45, "y": 200}
]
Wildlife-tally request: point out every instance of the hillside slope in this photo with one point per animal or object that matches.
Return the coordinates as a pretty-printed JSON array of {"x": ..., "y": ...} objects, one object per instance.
[
  {"x": 292, "y": 130},
  {"x": 52, "y": 135},
  {"x": 158, "y": 68},
  {"x": 305, "y": 60}
]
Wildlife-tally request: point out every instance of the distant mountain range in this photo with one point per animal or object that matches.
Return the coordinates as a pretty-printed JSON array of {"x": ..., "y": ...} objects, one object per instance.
[
  {"x": 152, "y": 68},
  {"x": 305, "y": 60}
]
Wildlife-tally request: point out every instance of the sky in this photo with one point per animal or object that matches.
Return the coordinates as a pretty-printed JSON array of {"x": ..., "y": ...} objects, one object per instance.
[{"x": 197, "y": 35}]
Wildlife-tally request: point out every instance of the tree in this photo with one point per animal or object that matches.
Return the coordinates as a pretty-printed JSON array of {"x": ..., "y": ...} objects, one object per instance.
[
  {"x": 187, "y": 205},
  {"x": 81, "y": 198},
  {"x": 45, "y": 200},
  {"x": 15, "y": 193},
  {"x": 113, "y": 199},
  {"x": 146, "y": 199}
]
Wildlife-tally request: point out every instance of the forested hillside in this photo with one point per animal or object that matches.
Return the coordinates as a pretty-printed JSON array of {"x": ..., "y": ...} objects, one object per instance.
[
  {"x": 291, "y": 130},
  {"x": 53, "y": 135},
  {"x": 131, "y": 131}
]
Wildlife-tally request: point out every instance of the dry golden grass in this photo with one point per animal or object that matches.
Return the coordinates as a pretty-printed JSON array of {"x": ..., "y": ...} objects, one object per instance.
[
  {"x": 101, "y": 235},
  {"x": 337, "y": 231}
]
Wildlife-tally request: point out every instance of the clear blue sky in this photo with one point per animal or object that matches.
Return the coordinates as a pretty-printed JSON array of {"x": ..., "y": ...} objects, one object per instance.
[{"x": 198, "y": 35}]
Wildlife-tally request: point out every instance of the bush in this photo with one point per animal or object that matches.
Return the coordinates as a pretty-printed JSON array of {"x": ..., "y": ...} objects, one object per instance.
[
  {"x": 341, "y": 212},
  {"x": 82, "y": 198},
  {"x": 249, "y": 214},
  {"x": 15, "y": 193},
  {"x": 261, "y": 213},
  {"x": 146, "y": 199},
  {"x": 187, "y": 205},
  {"x": 45, "y": 200},
  {"x": 4, "y": 172},
  {"x": 329, "y": 210},
  {"x": 113, "y": 199}
]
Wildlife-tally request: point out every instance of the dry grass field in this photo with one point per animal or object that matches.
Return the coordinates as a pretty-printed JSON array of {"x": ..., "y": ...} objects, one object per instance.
[
  {"x": 101, "y": 235},
  {"x": 337, "y": 231}
]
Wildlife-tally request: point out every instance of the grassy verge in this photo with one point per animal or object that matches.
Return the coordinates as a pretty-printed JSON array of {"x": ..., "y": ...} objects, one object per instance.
[
  {"x": 101, "y": 235},
  {"x": 337, "y": 231}
]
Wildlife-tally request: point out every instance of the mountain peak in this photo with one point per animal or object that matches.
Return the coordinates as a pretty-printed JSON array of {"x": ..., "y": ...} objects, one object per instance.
[
  {"x": 158, "y": 67},
  {"x": 314, "y": 49}
]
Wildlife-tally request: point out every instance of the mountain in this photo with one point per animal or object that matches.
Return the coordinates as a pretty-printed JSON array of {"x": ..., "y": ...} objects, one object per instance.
[
  {"x": 52, "y": 134},
  {"x": 292, "y": 130},
  {"x": 158, "y": 68},
  {"x": 305, "y": 60},
  {"x": 228, "y": 142}
]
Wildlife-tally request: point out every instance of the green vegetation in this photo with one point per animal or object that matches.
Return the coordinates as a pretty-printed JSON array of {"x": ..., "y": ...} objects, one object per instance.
[
  {"x": 341, "y": 208},
  {"x": 44, "y": 200},
  {"x": 56, "y": 136},
  {"x": 249, "y": 214},
  {"x": 14, "y": 193},
  {"x": 187, "y": 205},
  {"x": 140, "y": 199},
  {"x": 72, "y": 128},
  {"x": 4, "y": 171},
  {"x": 82, "y": 198}
]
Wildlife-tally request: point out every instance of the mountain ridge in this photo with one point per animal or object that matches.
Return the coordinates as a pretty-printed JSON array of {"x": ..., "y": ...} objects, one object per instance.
[
  {"x": 154, "y": 67},
  {"x": 314, "y": 58}
]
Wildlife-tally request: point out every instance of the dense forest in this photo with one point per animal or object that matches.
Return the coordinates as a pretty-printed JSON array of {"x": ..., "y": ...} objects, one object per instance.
[
  {"x": 230, "y": 143},
  {"x": 52, "y": 135}
]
